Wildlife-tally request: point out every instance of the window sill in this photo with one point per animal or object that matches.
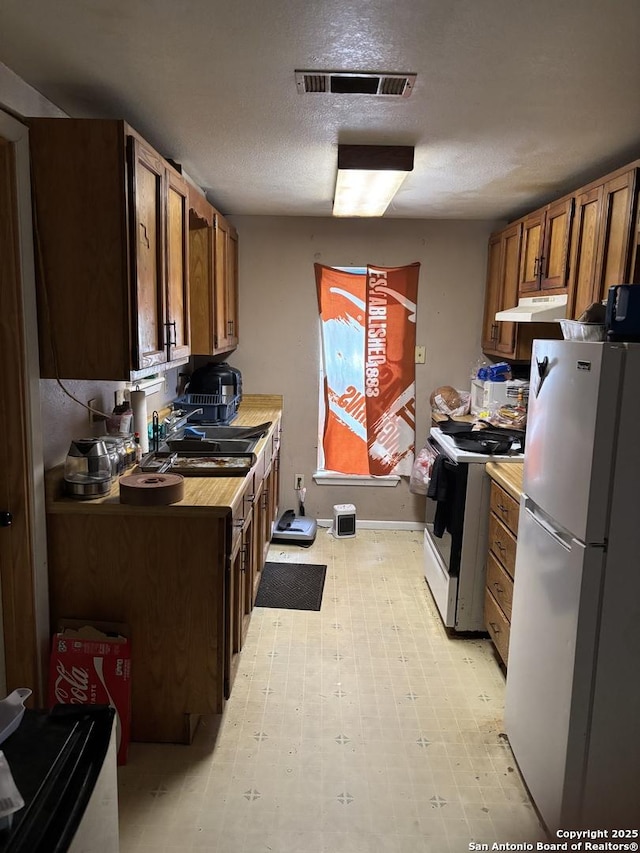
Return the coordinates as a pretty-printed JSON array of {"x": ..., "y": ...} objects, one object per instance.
[{"x": 333, "y": 478}]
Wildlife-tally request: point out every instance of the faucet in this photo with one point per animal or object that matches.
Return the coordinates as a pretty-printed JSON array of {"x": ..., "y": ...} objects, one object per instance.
[{"x": 178, "y": 419}]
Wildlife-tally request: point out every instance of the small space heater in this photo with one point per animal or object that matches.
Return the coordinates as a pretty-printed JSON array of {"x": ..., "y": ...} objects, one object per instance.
[{"x": 344, "y": 521}]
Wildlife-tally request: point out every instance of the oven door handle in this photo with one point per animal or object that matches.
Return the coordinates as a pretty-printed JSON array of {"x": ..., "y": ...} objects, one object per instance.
[{"x": 451, "y": 463}]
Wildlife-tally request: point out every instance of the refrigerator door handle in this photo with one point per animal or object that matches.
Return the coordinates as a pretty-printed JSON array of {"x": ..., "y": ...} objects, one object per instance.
[
  {"x": 562, "y": 537},
  {"x": 543, "y": 370}
]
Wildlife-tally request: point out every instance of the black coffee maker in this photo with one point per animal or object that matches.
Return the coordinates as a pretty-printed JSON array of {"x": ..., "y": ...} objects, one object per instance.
[{"x": 217, "y": 378}]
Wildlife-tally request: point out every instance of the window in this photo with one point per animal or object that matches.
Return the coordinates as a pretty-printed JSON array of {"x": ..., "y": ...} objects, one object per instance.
[{"x": 367, "y": 393}]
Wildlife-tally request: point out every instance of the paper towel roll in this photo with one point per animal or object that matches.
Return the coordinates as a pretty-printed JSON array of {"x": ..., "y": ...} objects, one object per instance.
[{"x": 140, "y": 418}]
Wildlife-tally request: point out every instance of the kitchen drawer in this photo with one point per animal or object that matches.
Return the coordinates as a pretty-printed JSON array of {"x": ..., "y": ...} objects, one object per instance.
[
  {"x": 503, "y": 543},
  {"x": 505, "y": 507},
  {"x": 500, "y": 585},
  {"x": 497, "y": 625}
]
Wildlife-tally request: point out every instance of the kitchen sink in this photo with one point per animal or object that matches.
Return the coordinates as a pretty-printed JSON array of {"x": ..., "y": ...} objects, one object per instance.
[
  {"x": 215, "y": 438},
  {"x": 215, "y": 432},
  {"x": 211, "y": 445}
]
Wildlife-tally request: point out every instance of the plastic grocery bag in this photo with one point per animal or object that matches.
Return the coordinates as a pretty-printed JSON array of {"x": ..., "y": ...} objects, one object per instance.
[
  {"x": 421, "y": 471},
  {"x": 447, "y": 400}
]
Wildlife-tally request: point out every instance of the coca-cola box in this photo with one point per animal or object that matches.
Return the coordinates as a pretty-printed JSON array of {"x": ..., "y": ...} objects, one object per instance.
[{"x": 91, "y": 665}]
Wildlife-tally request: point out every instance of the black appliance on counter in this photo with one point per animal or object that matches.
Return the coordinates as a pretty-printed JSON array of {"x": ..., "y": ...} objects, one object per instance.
[
  {"x": 216, "y": 378},
  {"x": 216, "y": 388},
  {"x": 64, "y": 766}
]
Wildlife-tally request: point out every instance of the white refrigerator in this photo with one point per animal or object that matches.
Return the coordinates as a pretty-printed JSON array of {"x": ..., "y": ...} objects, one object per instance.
[{"x": 572, "y": 707}]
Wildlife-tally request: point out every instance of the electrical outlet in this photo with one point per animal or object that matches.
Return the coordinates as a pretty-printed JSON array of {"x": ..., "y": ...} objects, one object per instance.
[
  {"x": 298, "y": 480},
  {"x": 93, "y": 404}
]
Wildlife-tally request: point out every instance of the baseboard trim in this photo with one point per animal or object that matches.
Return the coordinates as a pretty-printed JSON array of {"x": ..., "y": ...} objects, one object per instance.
[{"x": 378, "y": 525}]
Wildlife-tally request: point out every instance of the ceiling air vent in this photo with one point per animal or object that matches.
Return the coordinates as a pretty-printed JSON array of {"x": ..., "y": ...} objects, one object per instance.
[{"x": 355, "y": 83}]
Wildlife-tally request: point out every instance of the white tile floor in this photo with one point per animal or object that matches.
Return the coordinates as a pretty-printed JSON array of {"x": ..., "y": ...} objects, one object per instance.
[{"x": 361, "y": 728}]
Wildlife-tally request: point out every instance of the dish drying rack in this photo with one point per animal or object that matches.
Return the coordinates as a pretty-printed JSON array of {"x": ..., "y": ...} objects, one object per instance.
[{"x": 216, "y": 408}]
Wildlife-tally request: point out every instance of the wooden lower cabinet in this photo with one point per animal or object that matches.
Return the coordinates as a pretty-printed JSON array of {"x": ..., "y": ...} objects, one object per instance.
[
  {"x": 182, "y": 577},
  {"x": 239, "y": 569},
  {"x": 163, "y": 574},
  {"x": 500, "y": 565}
]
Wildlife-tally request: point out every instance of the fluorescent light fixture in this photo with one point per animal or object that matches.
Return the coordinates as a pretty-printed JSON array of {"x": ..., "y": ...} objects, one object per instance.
[{"x": 368, "y": 177}]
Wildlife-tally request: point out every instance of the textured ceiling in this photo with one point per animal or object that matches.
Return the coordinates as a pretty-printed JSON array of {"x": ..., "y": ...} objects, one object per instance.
[{"x": 514, "y": 103}]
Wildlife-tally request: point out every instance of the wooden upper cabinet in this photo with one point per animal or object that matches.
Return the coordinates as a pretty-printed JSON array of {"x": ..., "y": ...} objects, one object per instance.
[
  {"x": 544, "y": 263},
  {"x": 554, "y": 263},
  {"x": 106, "y": 210},
  {"x": 492, "y": 294},
  {"x": 147, "y": 257},
  {"x": 226, "y": 285},
  {"x": 213, "y": 279},
  {"x": 507, "y": 340},
  {"x": 603, "y": 239},
  {"x": 616, "y": 232},
  {"x": 177, "y": 313},
  {"x": 581, "y": 245},
  {"x": 531, "y": 252},
  {"x": 584, "y": 245},
  {"x": 499, "y": 338},
  {"x": 232, "y": 283}
]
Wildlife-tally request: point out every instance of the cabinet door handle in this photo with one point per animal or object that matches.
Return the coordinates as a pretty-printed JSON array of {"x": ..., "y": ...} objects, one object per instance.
[
  {"x": 171, "y": 342},
  {"x": 536, "y": 267},
  {"x": 498, "y": 588},
  {"x": 238, "y": 523},
  {"x": 541, "y": 266},
  {"x": 496, "y": 628},
  {"x": 499, "y": 545},
  {"x": 144, "y": 237},
  {"x": 503, "y": 509}
]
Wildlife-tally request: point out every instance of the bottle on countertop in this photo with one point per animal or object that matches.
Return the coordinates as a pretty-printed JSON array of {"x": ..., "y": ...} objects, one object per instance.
[
  {"x": 136, "y": 438},
  {"x": 120, "y": 420}
]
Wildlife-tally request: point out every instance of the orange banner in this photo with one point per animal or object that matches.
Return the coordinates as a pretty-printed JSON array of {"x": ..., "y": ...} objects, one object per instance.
[{"x": 368, "y": 338}]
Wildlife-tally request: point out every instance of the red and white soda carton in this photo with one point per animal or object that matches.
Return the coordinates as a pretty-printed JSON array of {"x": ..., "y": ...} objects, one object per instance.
[{"x": 91, "y": 665}]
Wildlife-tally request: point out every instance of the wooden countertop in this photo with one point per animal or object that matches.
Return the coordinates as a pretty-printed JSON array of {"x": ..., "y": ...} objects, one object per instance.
[
  {"x": 202, "y": 495},
  {"x": 508, "y": 475}
]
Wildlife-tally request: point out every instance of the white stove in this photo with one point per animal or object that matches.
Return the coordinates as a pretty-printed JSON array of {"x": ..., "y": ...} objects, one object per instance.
[
  {"x": 455, "y": 536},
  {"x": 446, "y": 442}
]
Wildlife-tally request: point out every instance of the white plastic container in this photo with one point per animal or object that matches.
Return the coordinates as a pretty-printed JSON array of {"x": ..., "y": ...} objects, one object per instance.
[{"x": 572, "y": 330}]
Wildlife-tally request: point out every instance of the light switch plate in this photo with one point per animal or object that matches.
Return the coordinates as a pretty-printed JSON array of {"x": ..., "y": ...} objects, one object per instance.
[{"x": 421, "y": 354}]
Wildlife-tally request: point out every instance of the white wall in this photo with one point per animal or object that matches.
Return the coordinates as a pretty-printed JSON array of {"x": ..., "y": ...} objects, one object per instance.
[
  {"x": 65, "y": 420},
  {"x": 279, "y": 329}
]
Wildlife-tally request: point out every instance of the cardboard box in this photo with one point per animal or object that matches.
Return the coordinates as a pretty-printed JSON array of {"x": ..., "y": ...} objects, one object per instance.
[{"x": 91, "y": 665}]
